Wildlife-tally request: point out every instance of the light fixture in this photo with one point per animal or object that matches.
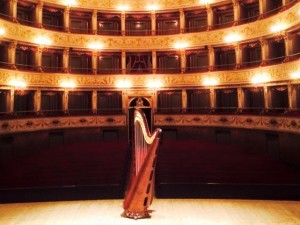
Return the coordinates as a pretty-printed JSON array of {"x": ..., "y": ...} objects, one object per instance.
[
  {"x": 2, "y": 31},
  {"x": 123, "y": 8},
  {"x": 42, "y": 40},
  {"x": 152, "y": 7},
  {"x": 210, "y": 81},
  {"x": 95, "y": 46},
  {"x": 205, "y": 2},
  {"x": 68, "y": 84},
  {"x": 123, "y": 84},
  {"x": 278, "y": 28},
  {"x": 260, "y": 78},
  {"x": 295, "y": 75},
  {"x": 70, "y": 3},
  {"x": 18, "y": 84},
  {"x": 232, "y": 38},
  {"x": 181, "y": 45},
  {"x": 153, "y": 84}
]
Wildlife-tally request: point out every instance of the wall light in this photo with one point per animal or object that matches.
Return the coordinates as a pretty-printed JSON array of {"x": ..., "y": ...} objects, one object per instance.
[
  {"x": 42, "y": 40},
  {"x": 260, "y": 78},
  {"x": 295, "y": 75},
  {"x": 18, "y": 83},
  {"x": 152, "y": 7},
  {"x": 123, "y": 8},
  {"x": 153, "y": 84},
  {"x": 181, "y": 45},
  {"x": 70, "y": 3},
  {"x": 278, "y": 28},
  {"x": 68, "y": 84},
  {"x": 232, "y": 38},
  {"x": 95, "y": 46},
  {"x": 210, "y": 81},
  {"x": 123, "y": 84},
  {"x": 2, "y": 31},
  {"x": 205, "y": 2}
]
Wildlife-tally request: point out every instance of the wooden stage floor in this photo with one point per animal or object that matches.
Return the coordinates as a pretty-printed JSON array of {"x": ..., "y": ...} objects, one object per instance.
[{"x": 166, "y": 212}]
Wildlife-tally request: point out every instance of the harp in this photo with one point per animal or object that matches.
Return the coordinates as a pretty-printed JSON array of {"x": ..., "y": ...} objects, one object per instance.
[{"x": 141, "y": 189}]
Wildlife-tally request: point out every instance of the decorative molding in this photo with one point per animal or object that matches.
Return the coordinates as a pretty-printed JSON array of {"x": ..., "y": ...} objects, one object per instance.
[
  {"x": 280, "y": 72},
  {"x": 281, "y": 124},
  {"x": 135, "y": 5},
  {"x": 249, "y": 31},
  {"x": 48, "y": 123}
]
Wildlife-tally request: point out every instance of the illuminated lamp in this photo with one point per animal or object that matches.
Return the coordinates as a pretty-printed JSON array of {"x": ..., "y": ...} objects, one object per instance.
[
  {"x": 205, "y": 2},
  {"x": 260, "y": 78},
  {"x": 42, "y": 40},
  {"x": 152, "y": 7},
  {"x": 123, "y": 84},
  {"x": 95, "y": 46},
  {"x": 278, "y": 28},
  {"x": 232, "y": 38},
  {"x": 181, "y": 45},
  {"x": 123, "y": 8},
  {"x": 18, "y": 84},
  {"x": 153, "y": 84},
  {"x": 210, "y": 81},
  {"x": 2, "y": 31},
  {"x": 70, "y": 3},
  {"x": 295, "y": 75},
  {"x": 68, "y": 84}
]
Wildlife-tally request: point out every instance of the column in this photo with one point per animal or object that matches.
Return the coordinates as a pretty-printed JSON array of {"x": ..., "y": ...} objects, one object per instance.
[
  {"x": 39, "y": 14},
  {"x": 264, "y": 51},
  {"x": 154, "y": 101},
  {"x": 236, "y": 12},
  {"x": 153, "y": 22},
  {"x": 238, "y": 56},
  {"x": 211, "y": 58},
  {"x": 67, "y": 19},
  {"x": 123, "y": 23},
  {"x": 154, "y": 65},
  {"x": 65, "y": 100},
  {"x": 94, "y": 101},
  {"x": 184, "y": 100},
  {"x": 183, "y": 61},
  {"x": 181, "y": 21},
  {"x": 212, "y": 99},
  {"x": 37, "y": 100},
  {"x": 94, "y": 62},
  {"x": 66, "y": 60},
  {"x": 284, "y": 2},
  {"x": 266, "y": 97},
  {"x": 123, "y": 62},
  {"x": 240, "y": 95},
  {"x": 10, "y": 101},
  {"x": 38, "y": 58},
  {"x": 12, "y": 54},
  {"x": 292, "y": 95},
  {"x": 94, "y": 22},
  {"x": 210, "y": 18},
  {"x": 262, "y": 8},
  {"x": 12, "y": 10},
  {"x": 288, "y": 46}
]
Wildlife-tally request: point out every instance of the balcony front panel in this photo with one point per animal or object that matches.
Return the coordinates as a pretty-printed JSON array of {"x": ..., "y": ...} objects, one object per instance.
[
  {"x": 255, "y": 30},
  {"x": 277, "y": 73}
]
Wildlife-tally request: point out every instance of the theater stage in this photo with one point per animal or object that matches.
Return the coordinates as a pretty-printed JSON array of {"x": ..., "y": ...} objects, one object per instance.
[{"x": 166, "y": 212}]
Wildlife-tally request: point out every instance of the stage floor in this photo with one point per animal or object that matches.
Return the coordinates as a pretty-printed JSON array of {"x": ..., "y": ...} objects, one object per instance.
[{"x": 166, "y": 212}]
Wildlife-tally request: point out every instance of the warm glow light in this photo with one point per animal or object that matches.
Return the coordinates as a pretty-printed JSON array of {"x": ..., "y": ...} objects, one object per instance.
[
  {"x": 2, "y": 31},
  {"x": 123, "y": 84},
  {"x": 210, "y": 81},
  {"x": 68, "y": 84},
  {"x": 181, "y": 45},
  {"x": 277, "y": 28},
  {"x": 295, "y": 75},
  {"x": 205, "y": 2},
  {"x": 152, "y": 7},
  {"x": 17, "y": 83},
  {"x": 42, "y": 40},
  {"x": 260, "y": 78},
  {"x": 95, "y": 46},
  {"x": 154, "y": 84},
  {"x": 232, "y": 38},
  {"x": 70, "y": 3},
  {"x": 123, "y": 8}
]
